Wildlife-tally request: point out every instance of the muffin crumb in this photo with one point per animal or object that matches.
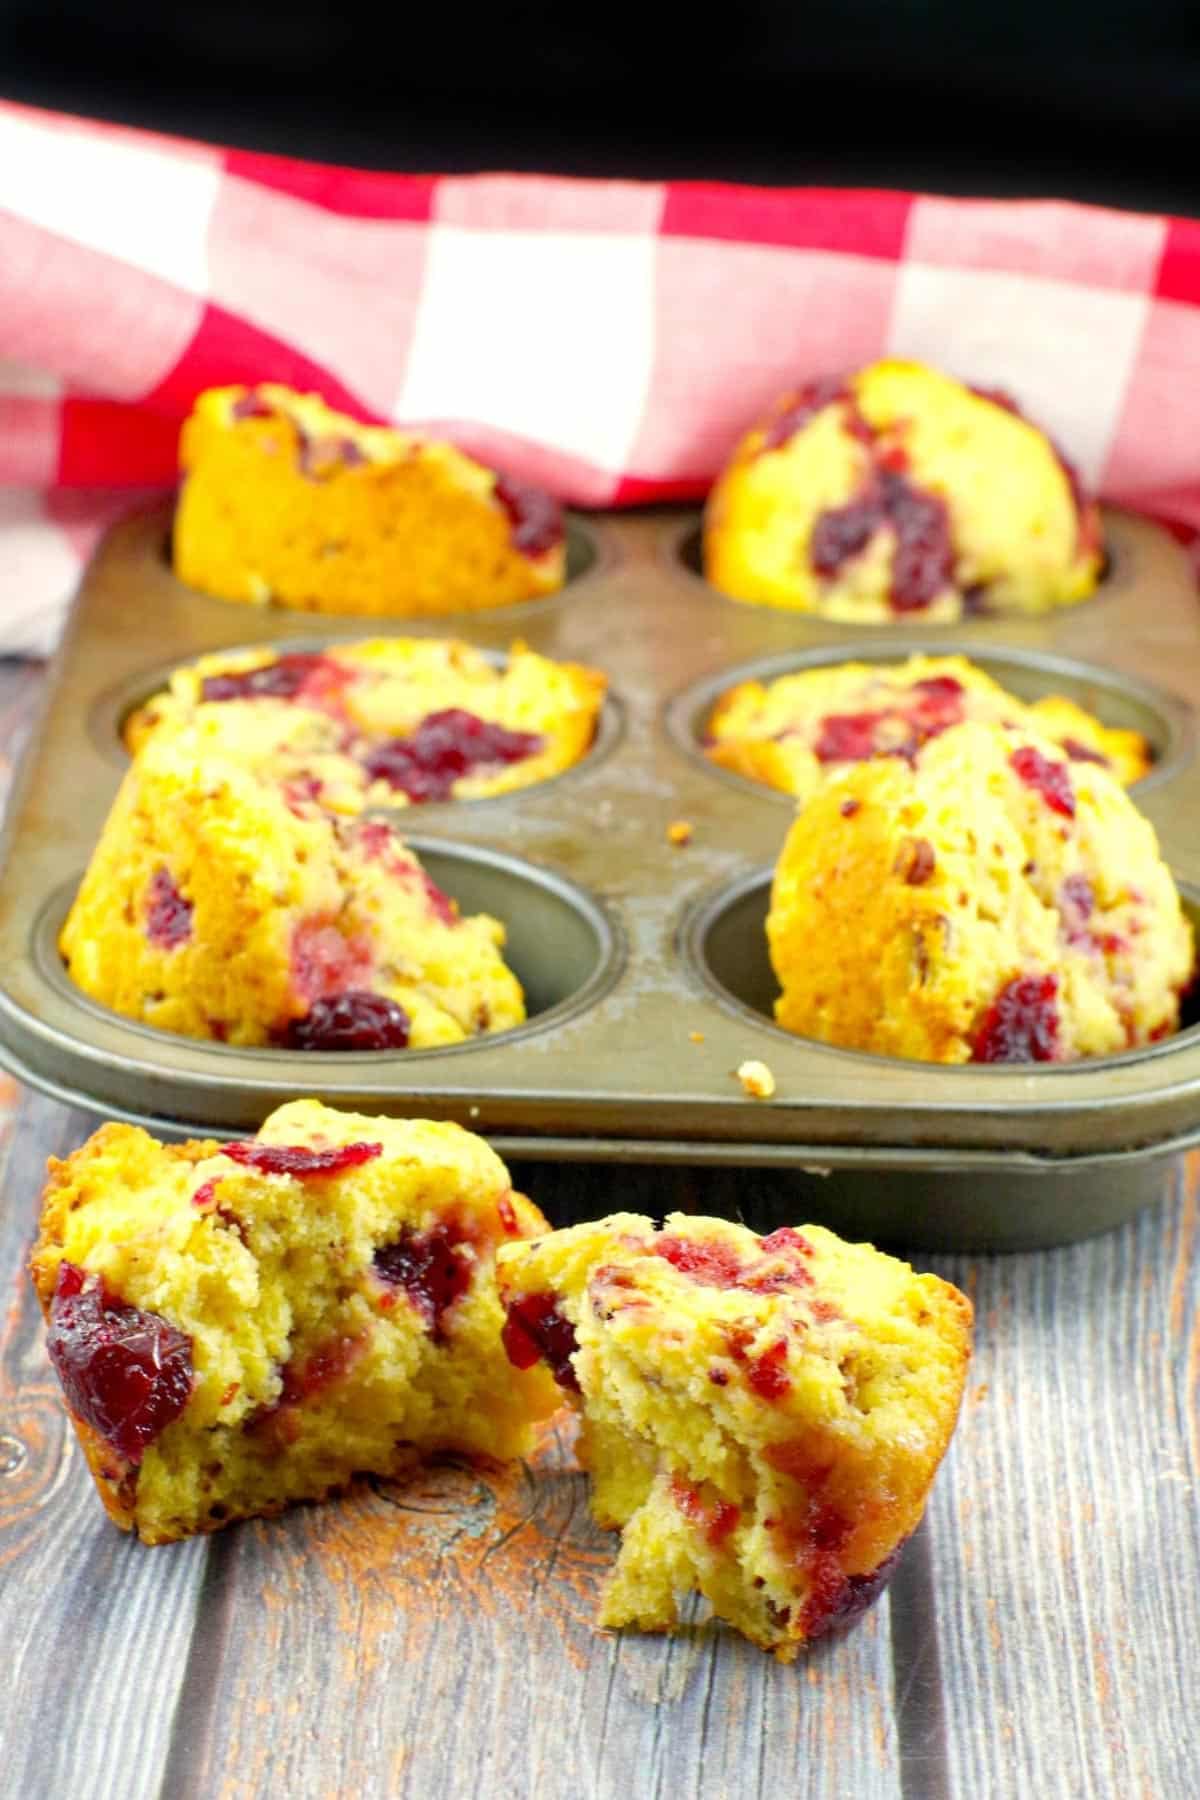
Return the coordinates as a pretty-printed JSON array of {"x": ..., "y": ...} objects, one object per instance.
[
  {"x": 679, "y": 832},
  {"x": 696, "y": 1037},
  {"x": 756, "y": 1079}
]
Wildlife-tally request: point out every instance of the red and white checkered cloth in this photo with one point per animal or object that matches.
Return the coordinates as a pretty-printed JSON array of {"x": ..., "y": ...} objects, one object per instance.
[{"x": 608, "y": 339}]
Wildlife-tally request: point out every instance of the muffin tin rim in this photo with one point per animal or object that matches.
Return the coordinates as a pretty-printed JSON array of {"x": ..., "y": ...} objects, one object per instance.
[{"x": 819, "y": 1159}]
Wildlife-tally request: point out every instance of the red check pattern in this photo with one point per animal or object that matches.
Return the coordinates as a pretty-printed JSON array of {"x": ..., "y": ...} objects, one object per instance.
[{"x": 607, "y": 339}]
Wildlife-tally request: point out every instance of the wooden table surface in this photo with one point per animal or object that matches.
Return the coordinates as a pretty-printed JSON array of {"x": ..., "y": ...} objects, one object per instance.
[{"x": 1041, "y": 1638}]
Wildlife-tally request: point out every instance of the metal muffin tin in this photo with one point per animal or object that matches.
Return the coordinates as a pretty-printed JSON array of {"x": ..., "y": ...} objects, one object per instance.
[{"x": 626, "y": 944}]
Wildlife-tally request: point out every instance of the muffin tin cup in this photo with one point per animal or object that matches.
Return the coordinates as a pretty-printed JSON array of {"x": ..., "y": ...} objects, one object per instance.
[{"x": 639, "y": 958}]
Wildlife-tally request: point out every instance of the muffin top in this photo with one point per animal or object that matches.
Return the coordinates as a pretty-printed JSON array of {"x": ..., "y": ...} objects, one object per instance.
[
  {"x": 899, "y": 494},
  {"x": 987, "y": 901}
]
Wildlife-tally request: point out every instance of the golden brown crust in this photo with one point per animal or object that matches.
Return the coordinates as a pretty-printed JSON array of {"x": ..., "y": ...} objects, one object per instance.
[
  {"x": 387, "y": 524},
  {"x": 908, "y": 899}
]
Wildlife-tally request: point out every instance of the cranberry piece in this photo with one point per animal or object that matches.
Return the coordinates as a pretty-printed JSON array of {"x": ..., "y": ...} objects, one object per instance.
[
  {"x": 326, "y": 963},
  {"x": 1052, "y": 780},
  {"x": 299, "y": 1160},
  {"x": 444, "y": 747},
  {"x": 329, "y": 1362},
  {"x": 440, "y": 904},
  {"x": 843, "y": 532},
  {"x": 786, "y": 1240},
  {"x": 848, "y": 737},
  {"x": 287, "y": 678},
  {"x": 534, "y": 517},
  {"x": 251, "y": 405},
  {"x": 939, "y": 704},
  {"x": 353, "y": 1020},
  {"x": 433, "y": 1267},
  {"x": 1021, "y": 1025},
  {"x": 778, "y": 1281},
  {"x": 802, "y": 406},
  {"x": 713, "y": 1265},
  {"x": 126, "y": 1373},
  {"x": 380, "y": 842},
  {"x": 168, "y": 914},
  {"x": 533, "y": 1328},
  {"x": 767, "y": 1374},
  {"x": 1084, "y": 753},
  {"x": 923, "y": 564},
  {"x": 301, "y": 793},
  {"x": 716, "y": 1520},
  {"x": 718, "y": 1265},
  {"x": 506, "y": 1212},
  {"x": 1076, "y": 903},
  {"x": 206, "y": 1194},
  {"x": 383, "y": 843},
  {"x": 833, "y": 1609},
  {"x": 319, "y": 456},
  {"x": 795, "y": 1250},
  {"x": 848, "y": 808},
  {"x": 725, "y": 1516}
]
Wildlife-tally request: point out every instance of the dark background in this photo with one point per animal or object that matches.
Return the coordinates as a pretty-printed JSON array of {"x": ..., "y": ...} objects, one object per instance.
[{"x": 1097, "y": 102}]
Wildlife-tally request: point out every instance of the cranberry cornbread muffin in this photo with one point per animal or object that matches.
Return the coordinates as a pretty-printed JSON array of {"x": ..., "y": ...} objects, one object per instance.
[
  {"x": 224, "y": 903},
  {"x": 898, "y": 494},
  {"x": 240, "y": 1326},
  {"x": 409, "y": 719},
  {"x": 285, "y": 502},
  {"x": 762, "y": 1418},
  {"x": 987, "y": 901},
  {"x": 795, "y": 731}
]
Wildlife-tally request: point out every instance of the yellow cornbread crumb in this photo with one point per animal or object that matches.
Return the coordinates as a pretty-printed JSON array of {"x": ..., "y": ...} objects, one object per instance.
[
  {"x": 899, "y": 494},
  {"x": 322, "y": 1324},
  {"x": 679, "y": 832},
  {"x": 990, "y": 901},
  {"x": 762, "y": 1418},
  {"x": 285, "y": 501},
  {"x": 796, "y": 731},
  {"x": 756, "y": 1079}
]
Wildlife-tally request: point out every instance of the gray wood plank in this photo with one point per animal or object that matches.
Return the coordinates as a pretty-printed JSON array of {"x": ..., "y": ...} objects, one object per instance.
[
  {"x": 436, "y": 1638},
  {"x": 1066, "y": 1538},
  {"x": 95, "y": 1629}
]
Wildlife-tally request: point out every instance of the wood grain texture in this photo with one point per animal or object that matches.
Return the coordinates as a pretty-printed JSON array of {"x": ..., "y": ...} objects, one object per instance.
[{"x": 1067, "y": 1534}]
